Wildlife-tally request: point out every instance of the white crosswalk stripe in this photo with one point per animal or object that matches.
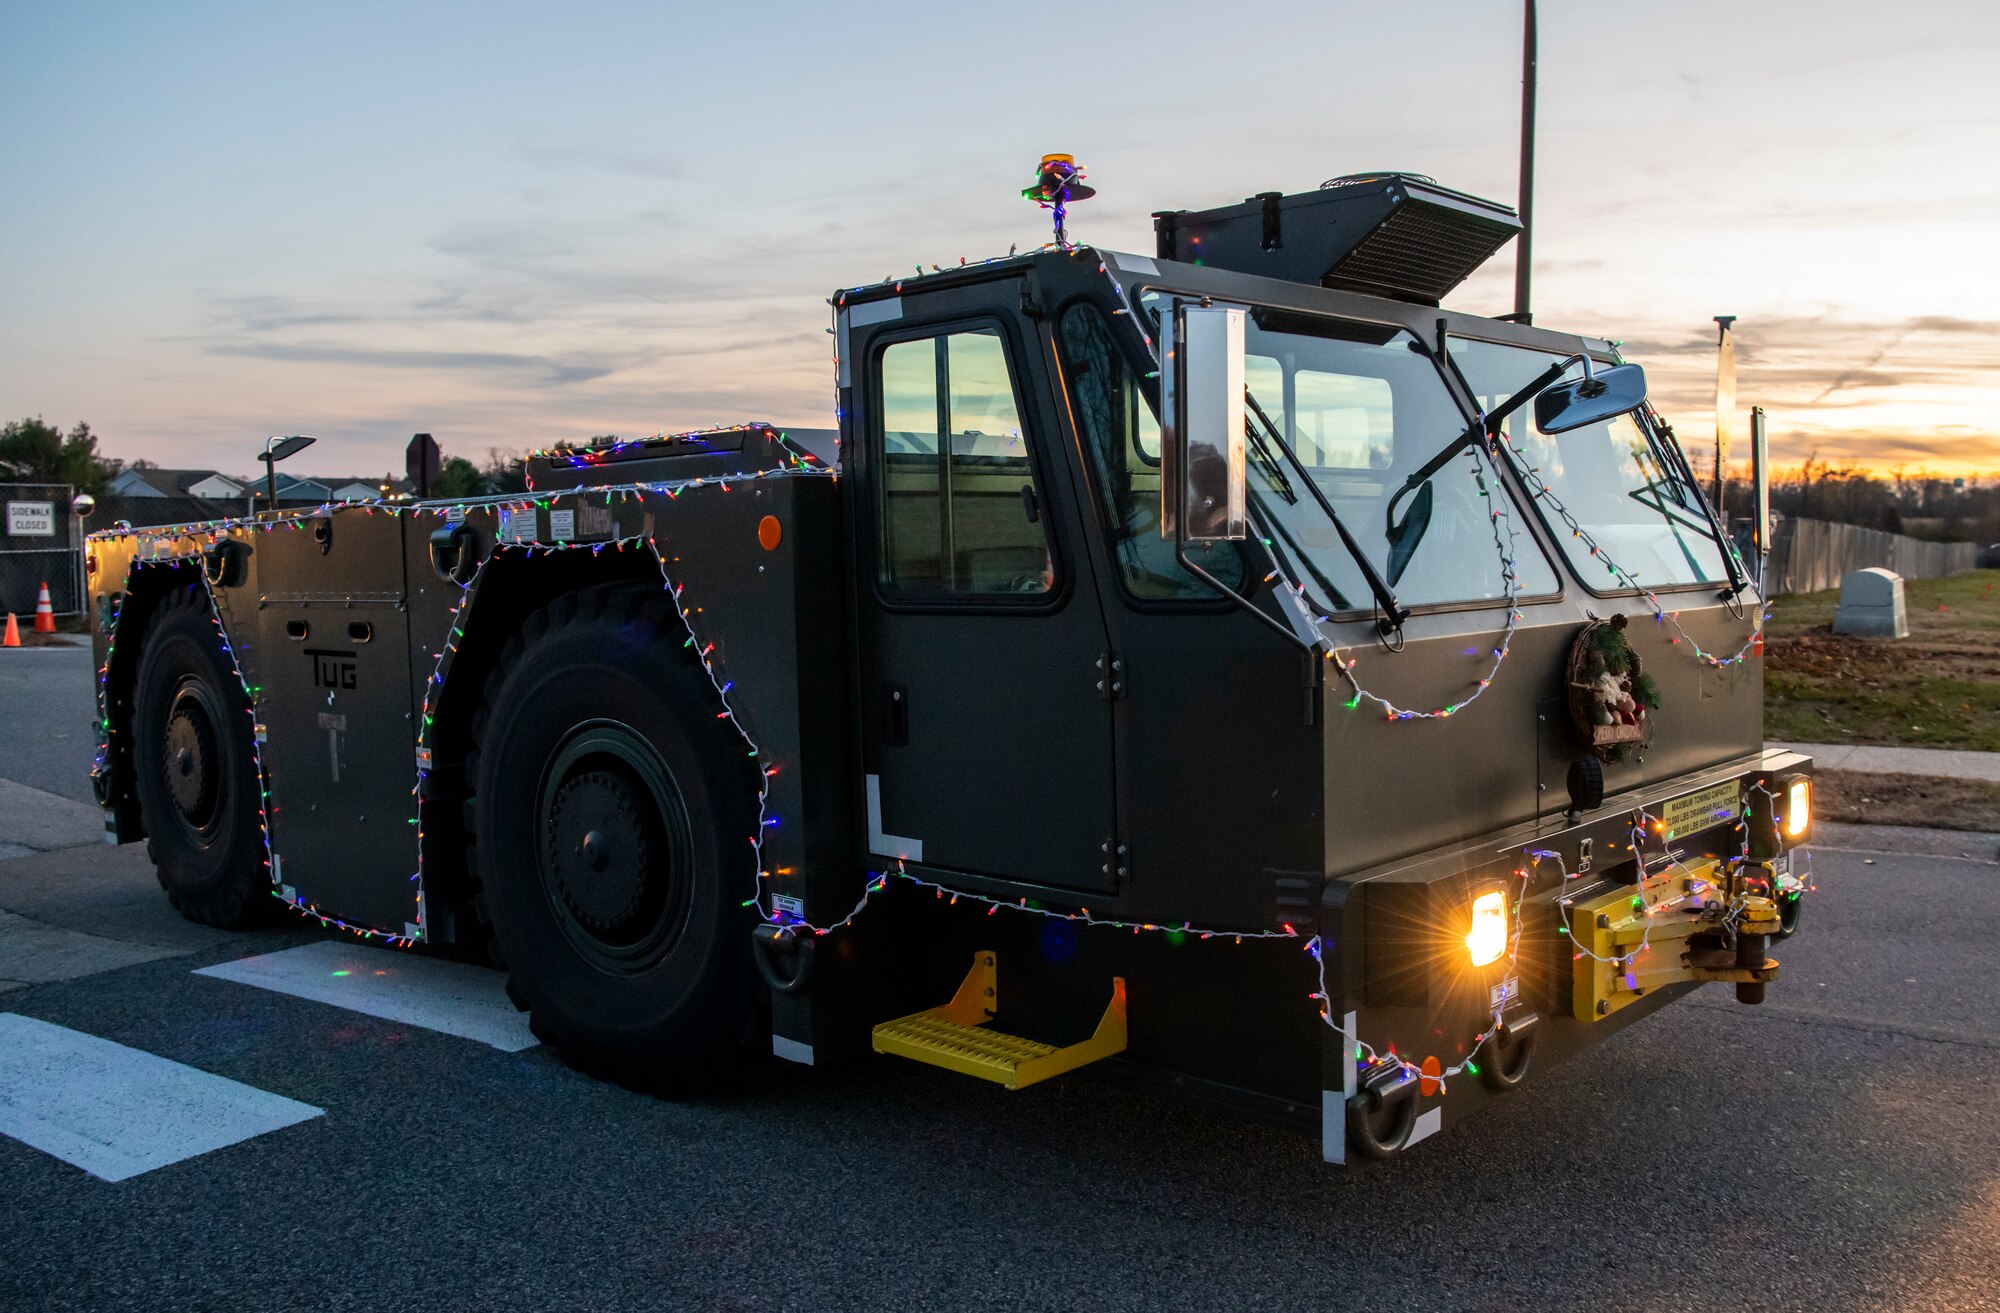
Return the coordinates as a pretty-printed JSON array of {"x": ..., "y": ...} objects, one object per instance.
[
  {"x": 116, "y": 1111},
  {"x": 451, "y": 997}
]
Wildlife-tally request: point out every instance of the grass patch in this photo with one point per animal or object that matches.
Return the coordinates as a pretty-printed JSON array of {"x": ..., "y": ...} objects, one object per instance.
[
  {"x": 1934, "y": 802},
  {"x": 1938, "y": 688}
]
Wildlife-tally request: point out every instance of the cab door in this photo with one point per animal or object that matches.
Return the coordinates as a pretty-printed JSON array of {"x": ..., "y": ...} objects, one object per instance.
[{"x": 986, "y": 678}]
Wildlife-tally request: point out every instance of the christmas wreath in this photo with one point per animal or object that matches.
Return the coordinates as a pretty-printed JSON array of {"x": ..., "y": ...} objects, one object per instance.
[{"x": 1611, "y": 697}]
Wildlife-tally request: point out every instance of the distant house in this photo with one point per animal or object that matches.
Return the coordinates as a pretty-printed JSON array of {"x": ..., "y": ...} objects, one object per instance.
[
  {"x": 142, "y": 481},
  {"x": 294, "y": 488},
  {"x": 356, "y": 490}
]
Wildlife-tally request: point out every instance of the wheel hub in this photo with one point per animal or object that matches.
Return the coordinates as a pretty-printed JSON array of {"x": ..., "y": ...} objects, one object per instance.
[
  {"x": 614, "y": 845},
  {"x": 599, "y": 845},
  {"x": 191, "y": 763}
]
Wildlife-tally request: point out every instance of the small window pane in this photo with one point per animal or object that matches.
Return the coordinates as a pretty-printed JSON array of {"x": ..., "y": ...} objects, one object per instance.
[
  {"x": 958, "y": 487},
  {"x": 1122, "y": 435},
  {"x": 1612, "y": 476},
  {"x": 910, "y": 523},
  {"x": 996, "y": 547}
]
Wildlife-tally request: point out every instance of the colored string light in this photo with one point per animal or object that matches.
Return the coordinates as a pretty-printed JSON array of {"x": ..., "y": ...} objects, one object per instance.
[
  {"x": 272, "y": 862},
  {"x": 1531, "y": 476},
  {"x": 796, "y": 457},
  {"x": 1498, "y": 520}
]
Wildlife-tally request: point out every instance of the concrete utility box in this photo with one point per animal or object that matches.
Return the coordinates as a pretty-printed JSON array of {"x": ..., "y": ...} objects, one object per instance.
[{"x": 1871, "y": 604}]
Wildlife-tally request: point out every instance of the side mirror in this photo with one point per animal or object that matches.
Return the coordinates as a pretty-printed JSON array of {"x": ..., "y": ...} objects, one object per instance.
[
  {"x": 1203, "y": 494},
  {"x": 1597, "y": 396}
]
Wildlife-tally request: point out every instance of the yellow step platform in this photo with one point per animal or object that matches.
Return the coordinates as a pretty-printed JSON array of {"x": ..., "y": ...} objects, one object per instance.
[{"x": 956, "y": 1037}]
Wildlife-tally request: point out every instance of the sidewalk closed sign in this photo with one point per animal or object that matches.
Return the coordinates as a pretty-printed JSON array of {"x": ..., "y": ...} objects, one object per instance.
[{"x": 31, "y": 519}]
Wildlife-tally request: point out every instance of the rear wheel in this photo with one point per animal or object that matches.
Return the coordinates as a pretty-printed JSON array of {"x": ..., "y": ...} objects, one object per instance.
[
  {"x": 195, "y": 769},
  {"x": 613, "y": 813}
]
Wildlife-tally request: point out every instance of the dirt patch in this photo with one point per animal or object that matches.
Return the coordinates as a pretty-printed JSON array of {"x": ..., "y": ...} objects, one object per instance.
[{"x": 1931, "y": 801}]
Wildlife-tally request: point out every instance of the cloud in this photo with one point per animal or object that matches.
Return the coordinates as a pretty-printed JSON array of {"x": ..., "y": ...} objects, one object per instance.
[
  {"x": 266, "y": 313},
  {"x": 566, "y": 158},
  {"x": 520, "y": 369}
]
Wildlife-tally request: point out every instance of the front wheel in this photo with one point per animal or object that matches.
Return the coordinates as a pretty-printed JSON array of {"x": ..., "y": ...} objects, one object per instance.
[
  {"x": 613, "y": 813},
  {"x": 195, "y": 769}
]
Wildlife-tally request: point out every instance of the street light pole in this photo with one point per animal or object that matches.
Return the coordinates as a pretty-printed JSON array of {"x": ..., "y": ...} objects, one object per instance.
[
  {"x": 1524, "y": 249},
  {"x": 276, "y": 448}
]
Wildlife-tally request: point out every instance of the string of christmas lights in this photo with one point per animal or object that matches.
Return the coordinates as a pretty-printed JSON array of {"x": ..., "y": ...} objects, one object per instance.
[
  {"x": 296, "y": 901},
  {"x": 433, "y": 689},
  {"x": 1365, "y": 1054},
  {"x": 1533, "y": 857},
  {"x": 167, "y": 536},
  {"x": 1531, "y": 475},
  {"x": 705, "y": 652},
  {"x": 1498, "y": 519},
  {"x": 587, "y": 457}
]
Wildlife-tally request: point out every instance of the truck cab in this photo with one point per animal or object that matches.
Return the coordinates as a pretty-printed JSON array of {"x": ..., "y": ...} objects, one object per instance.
[{"x": 1309, "y": 699}]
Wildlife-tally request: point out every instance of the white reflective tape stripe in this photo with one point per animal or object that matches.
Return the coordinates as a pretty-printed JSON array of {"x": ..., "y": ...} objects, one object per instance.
[
  {"x": 116, "y": 1111},
  {"x": 1333, "y": 1104},
  {"x": 882, "y": 844},
  {"x": 887, "y": 310},
  {"x": 1427, "y": 1124},
  {"x": 453, "y": 998},
  {"x": 1132, "y": 264},
  {"x": 791, "y": 1050}
]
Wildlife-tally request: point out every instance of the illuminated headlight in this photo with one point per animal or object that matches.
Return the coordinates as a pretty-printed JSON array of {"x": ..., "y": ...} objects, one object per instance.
[
  {"x": 1798, "y": 808},
  {"x": 1488, "y": 938}
]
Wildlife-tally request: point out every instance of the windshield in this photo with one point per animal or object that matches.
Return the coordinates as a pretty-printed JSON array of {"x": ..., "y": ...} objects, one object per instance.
[
  {"x": 1363, "y": 406},
  {"x": 1623, "y": 488}
]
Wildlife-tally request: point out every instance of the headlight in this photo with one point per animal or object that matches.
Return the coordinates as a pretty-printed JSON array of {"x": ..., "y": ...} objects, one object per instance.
[
  {"x": 1488, "y": 938},
  {"x": 1798, "y": 808}
]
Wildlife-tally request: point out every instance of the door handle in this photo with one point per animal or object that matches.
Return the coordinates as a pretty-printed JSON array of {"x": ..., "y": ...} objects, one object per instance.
[{"x": 895, "y": 715}]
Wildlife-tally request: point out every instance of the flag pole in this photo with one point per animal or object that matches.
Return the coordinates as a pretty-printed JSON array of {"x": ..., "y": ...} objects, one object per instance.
[{"x": 1725, "y": 400}]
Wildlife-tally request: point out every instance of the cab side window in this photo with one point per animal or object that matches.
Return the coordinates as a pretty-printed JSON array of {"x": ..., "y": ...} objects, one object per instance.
[
  {"x": 1122, "y": 436},
  {"x": 958, "y": 505}
]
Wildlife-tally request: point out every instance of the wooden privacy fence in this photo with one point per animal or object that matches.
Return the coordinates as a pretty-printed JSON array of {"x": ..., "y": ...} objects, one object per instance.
[{"x": 1810, "y": 556}]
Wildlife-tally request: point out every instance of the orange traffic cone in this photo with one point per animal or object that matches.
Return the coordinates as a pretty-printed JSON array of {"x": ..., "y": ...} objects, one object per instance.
[
  {"x": 13, "y": 638},
  {"x": 45, "y": 614}
]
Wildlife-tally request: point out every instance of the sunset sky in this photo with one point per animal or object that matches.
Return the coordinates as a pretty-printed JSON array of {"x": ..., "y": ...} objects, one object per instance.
[{"x": 513, "y": 225}]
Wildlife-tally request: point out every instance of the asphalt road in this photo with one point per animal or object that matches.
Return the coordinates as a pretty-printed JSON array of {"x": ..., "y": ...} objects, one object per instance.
[
  {"x": 48, "y": 720},
  {"x": 1837, "y": 1148}
]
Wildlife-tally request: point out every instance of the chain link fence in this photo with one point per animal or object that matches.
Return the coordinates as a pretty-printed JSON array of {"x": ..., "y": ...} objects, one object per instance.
[{"x": 40, "y": 543}]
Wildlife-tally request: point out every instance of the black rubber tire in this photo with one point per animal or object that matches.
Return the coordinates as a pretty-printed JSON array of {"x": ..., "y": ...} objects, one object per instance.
[
  {"x": 1790, "y": 906},
  {"x": 673, "y": 1018},
  {"x": 191, "y": 732}
]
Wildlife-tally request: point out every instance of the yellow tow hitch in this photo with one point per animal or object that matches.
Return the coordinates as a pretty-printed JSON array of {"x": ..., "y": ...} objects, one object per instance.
[{"x": 1697, "y": 921}]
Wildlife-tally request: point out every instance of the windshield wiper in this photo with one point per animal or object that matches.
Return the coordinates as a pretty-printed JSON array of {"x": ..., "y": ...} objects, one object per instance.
[
  {"x": 1487, "y": 425},
  {"x": 1267, "y": 462},
  {"x": 1393, "y": 613}
]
